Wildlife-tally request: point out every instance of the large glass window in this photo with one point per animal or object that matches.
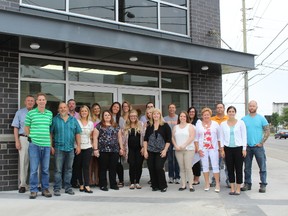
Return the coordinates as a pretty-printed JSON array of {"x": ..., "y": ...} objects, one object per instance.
[
  {"x": 181, "y": 100},
  {"x": 173, "y": 19},
  {"x": 141, "y": 12},
  {"x": 175, "y": 81},
  {"x": 55, "y": 93},
  {"x": 104, "y": 9},
  {"x": 42, "y": 68},
  {"x": 57, "y": 5},
  {"x": 112, "y": 75},
  {"x": 177, "y": 2}
]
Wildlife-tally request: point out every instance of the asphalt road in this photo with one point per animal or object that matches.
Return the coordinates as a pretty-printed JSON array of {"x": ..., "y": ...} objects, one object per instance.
[{"x": 277, "y": 148}]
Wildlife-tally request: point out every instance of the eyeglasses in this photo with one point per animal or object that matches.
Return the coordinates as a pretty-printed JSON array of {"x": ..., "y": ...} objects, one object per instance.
[{"x": 133, "y": 116}]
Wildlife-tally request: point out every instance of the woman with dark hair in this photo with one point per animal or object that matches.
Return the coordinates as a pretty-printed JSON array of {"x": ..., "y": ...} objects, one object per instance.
[
  {"x": 233, "y": 148},
  {"x": 94, "y": 164},
  {"x": 126, "y": 107},
  {"x": 196, "y": 164},
  {"x": 115, "y": 109},
  {"x": 107, "y": 138}
]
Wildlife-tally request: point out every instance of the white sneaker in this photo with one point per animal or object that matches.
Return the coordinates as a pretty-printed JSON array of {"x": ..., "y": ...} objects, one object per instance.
[{"x": 171, "y": 181}]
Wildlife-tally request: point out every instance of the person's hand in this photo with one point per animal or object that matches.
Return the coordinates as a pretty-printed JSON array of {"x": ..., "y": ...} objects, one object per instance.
[
  {"x": 259, "y": 145},
  {"x": 146, "y": 155},
  {"x": 222, "y": 153},
  {"x": 177, "y": 148},
  {"x": 78, "y": 150},
  {"x": 18, "y": 145},
  {"x": 163, "y": 153},
  {"x": 142, "y": 151},
  {"x": 121, "y": 152},
  {"x": 52, "y": 150},
  {"x": 244, "y": 153},
  {"x": 96, "y": 153},
  {"x": 201, "y": 153}
]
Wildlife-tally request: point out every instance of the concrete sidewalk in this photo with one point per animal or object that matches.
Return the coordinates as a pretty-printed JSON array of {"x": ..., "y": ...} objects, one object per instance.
[{"x": 173, "y": 202}]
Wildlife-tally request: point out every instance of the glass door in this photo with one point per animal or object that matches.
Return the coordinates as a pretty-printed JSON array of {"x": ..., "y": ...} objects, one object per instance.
[{"x": 87, "y": 95}]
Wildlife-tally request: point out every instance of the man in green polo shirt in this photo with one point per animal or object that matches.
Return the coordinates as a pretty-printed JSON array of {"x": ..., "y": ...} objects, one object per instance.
[{"x": 37, "y": 127}]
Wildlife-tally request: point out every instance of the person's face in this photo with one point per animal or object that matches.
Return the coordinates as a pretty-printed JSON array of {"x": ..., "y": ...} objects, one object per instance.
[
  {"x": 252, "y": 107},
  {"x": 149, "y": 114},
  {"x": 220, "y": 109},
  {"x": 133, "y": 117},
  {"x": 41, "y": 101},
  {"x": 206, "y": 116},
  {"x": 126, "y": 108},
  {"x": 150, "y": 105},
  {"x": 71, "y": 106},
  {"x": 182, "y": 118},
  {"x": 107, "y": 117},
  {"x": 115, "y": 108},
  {"x": 84, "y": 113},
  {"x": 192, "y": 113},
  {"x": 156, "y": 116},
  {"x": 172, "y": 109},
  {"x": 96, "y": 110},
  {"x": 63, "y": 109},
  {"x": 231, "y": 113},
  {"x": 29, "y": 103}
]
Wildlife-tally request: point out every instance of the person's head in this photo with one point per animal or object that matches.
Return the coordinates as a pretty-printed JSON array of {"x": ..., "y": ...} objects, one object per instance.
[
  {"x": 41, "y": 100},
  {"x": 150, "y": 105},
  {"x": 133, "y": 116},
  {"x": 63, "y": 109},
  {"x": 157, "y": 116},
  {"x": 206, "y": 114},
  {"x": 172, "y": 109},
  {"x": 96, "y": 110},
  {"x": 183, "y": 117},
  {"x": 107, "y": 118},
  {"x": 29, "y": 102},
  {"x": 132, "y": 119},
  {"x": 192, "y": 113},
  {"x": 84, "y": 112},
  {"x": 252, "y": 107},
  {"x": 231, "y": 112},
  {"x": 126, "y": 107},
  {"x": 220, "y": 109},
  {"x": 71, "y": 105},
  {"x": 115, "y": 109}
]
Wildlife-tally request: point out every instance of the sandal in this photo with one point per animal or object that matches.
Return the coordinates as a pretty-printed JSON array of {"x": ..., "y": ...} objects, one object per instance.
[
  {"x": 132, "y": 186},
  {"x": 120, "y": 184},
  {"x": 138, "y": 186}
]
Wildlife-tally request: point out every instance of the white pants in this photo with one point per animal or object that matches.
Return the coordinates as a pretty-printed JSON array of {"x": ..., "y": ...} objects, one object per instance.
[
  {"x": 23, "y": 161},
  {"x": 213, "y": 155},
  {"x": 184, "y": 159}
]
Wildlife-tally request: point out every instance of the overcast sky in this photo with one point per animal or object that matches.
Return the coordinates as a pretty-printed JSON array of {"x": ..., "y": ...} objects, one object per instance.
[{"x": 265, "y": 20}]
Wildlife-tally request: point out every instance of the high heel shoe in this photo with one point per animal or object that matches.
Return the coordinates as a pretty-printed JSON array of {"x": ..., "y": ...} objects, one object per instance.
[
  {"x": 87, "y": 191},
  {"x": 81, "y": 188}
]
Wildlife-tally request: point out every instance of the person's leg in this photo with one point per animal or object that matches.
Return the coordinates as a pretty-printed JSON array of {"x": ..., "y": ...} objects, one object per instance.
[
  {"x": 58, "y": 163},
  {"x": 188, "y": 157},
  {"x": 176, "y": 168},
  {"x": 238, "y": 164},
  {"x": 160, "y": 173},
  {"x": 87, "y": 154},
  {"x": 103, "y": 166},
  {"x": 132, "y": 165},
  {"x": 180, "y": 159},
  {"x": 170, "y": 164},
  {"x": 248, "y": 166},
  {"x": 23, "y": 161},
  {"x": 120, "y": 171},
  {"x": 139, "y": 164},
  {"x": 74, "y": 181},
  {"x": 77, "y": 169},
  {"x": 34, "y": 155},
  {"x": 68, "y": 169},
  {"x": 45, "y": 161},
  {"x": 261, "y": 161},
  {"x": 205, "y": 166},
  {"x": 214, "y": 158},
  {"x": 196, "y": 172},
  {"x": 113, "y": 159},
  {"x": 229, "y": 160},
  {"x": 152, "y": 172}
]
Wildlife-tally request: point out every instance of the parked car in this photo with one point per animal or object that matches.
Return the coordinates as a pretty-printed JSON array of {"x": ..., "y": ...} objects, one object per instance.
[{"x": 281, "y": 134}]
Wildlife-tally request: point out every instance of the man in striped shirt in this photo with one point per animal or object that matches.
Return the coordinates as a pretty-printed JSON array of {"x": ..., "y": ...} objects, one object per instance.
[{"x": 37, "y": 128}]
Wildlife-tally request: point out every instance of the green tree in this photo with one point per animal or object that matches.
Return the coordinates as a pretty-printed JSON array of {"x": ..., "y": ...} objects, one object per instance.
[
  {"x": 284, "y": 116},
  {"x": 275, "y": 120}
]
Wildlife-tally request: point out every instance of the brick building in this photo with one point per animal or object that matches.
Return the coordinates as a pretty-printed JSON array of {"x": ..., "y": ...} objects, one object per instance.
[{"x": 104, "y": 51}]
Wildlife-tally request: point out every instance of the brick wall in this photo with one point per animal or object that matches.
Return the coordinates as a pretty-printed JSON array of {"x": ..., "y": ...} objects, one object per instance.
[
  {"x": 204, "y": 16},
  {"x": 9, "y": 4},
  {"x": 8, "y": 107}
]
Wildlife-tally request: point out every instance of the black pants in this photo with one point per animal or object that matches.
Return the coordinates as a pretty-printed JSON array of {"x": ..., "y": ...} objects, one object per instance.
[
  {"x": 234, "y": 163},
  {"x": 81, "y": 166},
  {"x": 108, "y": 161},
  {"x": 197, "y": 169},
  {"x": 120, "y": 170},
  {"x": 135, "y": 160},
  {"x": 156, "y": 170}
]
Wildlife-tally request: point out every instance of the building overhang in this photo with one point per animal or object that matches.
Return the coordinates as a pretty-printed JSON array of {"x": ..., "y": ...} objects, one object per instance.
[{"x": 46, "y": 26}]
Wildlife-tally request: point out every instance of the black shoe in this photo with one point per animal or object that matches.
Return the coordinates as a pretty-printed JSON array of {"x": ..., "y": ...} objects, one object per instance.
[
  {"x": 39, "y": 189},
  {"x": 46, "y": 193},
  {"x": 104, "y": 188},
  {"x": 87, "y": 191},
  {"x": 70, "y": 191},
  {"x": 22, "y": 190},
  {"x": 246, "y": 187},
  {"x": 192, "y": 189},
  {"x": 115, "y": 188},
  {"x": 155, "y": 189},
  {"x": 182, "y": 189},
  {"x": 163, "y": 190},
  {"x": 33, "y": 195},
  {"x": 262, "y": 188}
]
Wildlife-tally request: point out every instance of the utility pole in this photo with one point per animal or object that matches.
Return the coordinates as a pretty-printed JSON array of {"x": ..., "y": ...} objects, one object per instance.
[{"x": 246, "y": 87}]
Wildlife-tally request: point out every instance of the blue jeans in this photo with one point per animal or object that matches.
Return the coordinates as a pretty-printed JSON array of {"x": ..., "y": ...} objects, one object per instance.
[
  {"x": 39, "y": 156},
  {"x": 260, "y": 156},
  {"x": 63, "y": 160},
  {"x": 173, "y": 167}
]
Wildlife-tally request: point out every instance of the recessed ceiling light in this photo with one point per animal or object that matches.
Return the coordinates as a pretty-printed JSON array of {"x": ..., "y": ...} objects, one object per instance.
[
  {"x": 133, "y": 59},
  {"x": 204, "y": 68},
  {"x": 34, "y": 46}
]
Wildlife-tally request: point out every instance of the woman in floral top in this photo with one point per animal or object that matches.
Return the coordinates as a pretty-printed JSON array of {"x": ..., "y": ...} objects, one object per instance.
[
  {"x": 207, "y": 142},
  {"x": 107, "y": 140}
]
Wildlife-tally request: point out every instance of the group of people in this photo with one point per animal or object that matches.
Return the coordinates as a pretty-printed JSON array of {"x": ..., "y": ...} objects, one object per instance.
[{"x": 88, "y": 144}]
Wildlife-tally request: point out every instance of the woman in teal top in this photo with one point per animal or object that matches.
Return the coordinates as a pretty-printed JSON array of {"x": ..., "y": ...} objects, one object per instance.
[{"x": 233, "y": 148}]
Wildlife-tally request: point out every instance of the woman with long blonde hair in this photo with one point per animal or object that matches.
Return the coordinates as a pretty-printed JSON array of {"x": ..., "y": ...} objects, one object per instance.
[{"x": 133, "y": 139}]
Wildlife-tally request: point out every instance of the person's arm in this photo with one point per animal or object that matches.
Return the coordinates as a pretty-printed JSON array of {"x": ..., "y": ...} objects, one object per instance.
[
  {"x": 244, "y": 138},
  {"x": 16, "y": 136},
  {"x": 27, "y": 130},
  {"x": 120, "y": 141},
  {"x": 95, "y": 142},
  {"x": 177, "y": 148},
  {"x": 168, "y": 136},
  {"x": 222, "y": 137},
  {"x": 266, "y": 130},
  {"x": 78, "y": 143}
]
